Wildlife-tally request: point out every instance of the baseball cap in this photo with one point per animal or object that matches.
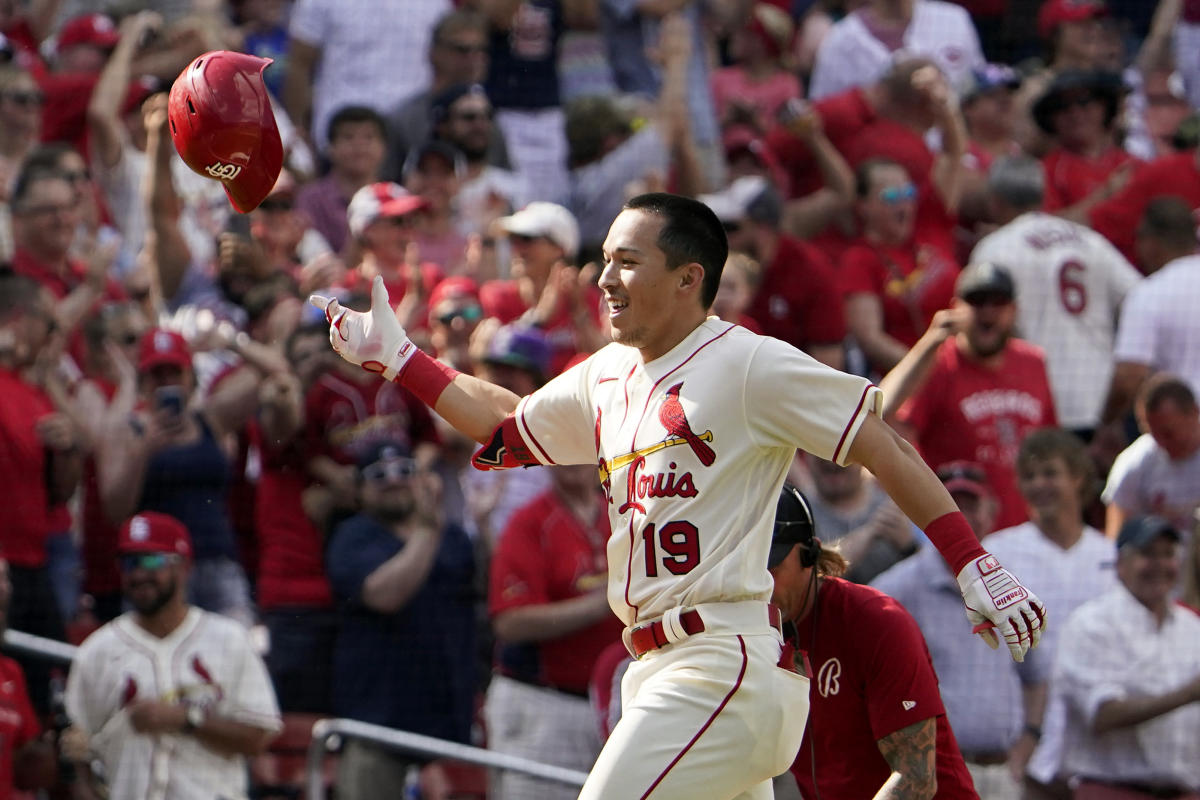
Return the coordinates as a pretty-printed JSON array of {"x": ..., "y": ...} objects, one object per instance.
[
  {"x": 386, "y": 458},
  {"x": 1140, "y": 532},
  {"x": 984, "y": 277},
  {"x": 546, "y": 219},
  {"x": 97, "y": 30},
  {"x": 455, "y": 287},
  {"x": 964, "y": 476},
  {"x": 1055, "y": 12},
  {"x": 161, "y": 346},
  {"x": 990, "y": 76},
  {"x": 434, "y": 147},
  {"x": 378, "y": 200},
  {"x": 793, "y": 524},
  {"x": 440, "y": 103},
  {"x": 520, "y": 347},
  {"x": 152, "y": 532},
  {"x": 749, "y": 197}
]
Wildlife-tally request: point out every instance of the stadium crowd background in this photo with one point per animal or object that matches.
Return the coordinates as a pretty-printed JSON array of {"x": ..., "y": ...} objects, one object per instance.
[{"x": 473, "y": 154}]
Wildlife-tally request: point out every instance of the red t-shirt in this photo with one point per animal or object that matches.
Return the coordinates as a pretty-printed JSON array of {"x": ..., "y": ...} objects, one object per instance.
[
  {"x": 99, "y": 547},
  {"x": 913, "y": 283},
  {"x": 345, "y": 417},
  {"x": 1118, "y": 217},
  {"x": 843, "y": 116},
  {"x": 970, "y": 412},
  {"x": 545, "y": 555},
  {"x": 1070, "y": 177},
  {"x": 798, "y": 299},
  {"x": 18, "y": 723},
  {"x": 502, "y": 299},
  {"x": 23, "y": 263},
  {"x": 291, "y": 562},
  {"x": 872, "y": 676},
  {"x": 23, "y": 494}
]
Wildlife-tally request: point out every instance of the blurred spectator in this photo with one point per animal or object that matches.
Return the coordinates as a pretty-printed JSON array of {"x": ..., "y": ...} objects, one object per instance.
[
  {"x": 753, "y": 89},
  {"x": 1084, "y": 165},
  {"x": 739, "y": 283},
  {"x": 1160, "y": 472},
  {"x": 41, "y": 467},
  {"x": 292, "y": 589},
  {"x": 383, "y": 219},
  {"x": 852, "y": 512},
  {"x": 1166, "y": 232},
  {"x": 1070, "y": 283},
  {"x": 987, "y": 110},
  {"x": 1128, "y": 671},
  {"x": 548, "y": 591},
  {"x": 263, "y": 27},
  {"x": 860, "y": 47},
  {"x": 27, "y": 761},
  {"x": 798, "y": 299},
  {"x": 458, "y": 56},
  {"x": 1069, "y": 561},
  {"x": 893, "y": 281},
  {"x": 166, "y": 671},
  {"x": 405, "y": 652},
  {"x": 463, "y": 118},
  {"x": 21, "y": 103},
  {"x": 357, "y": 146},
  {"x": 286, "y": 240},
  {"x": 172, "y": 456},
  {"x": 365, "y": 54},
  {"x": 986, "y": 725},
  {"x": 94, "y": 230},
  {"x": 81, "y": 48},
  {"x": 970, "y": 391},
  {"x": 435, "y": 170},
  {"x": 454, "y": 315}
]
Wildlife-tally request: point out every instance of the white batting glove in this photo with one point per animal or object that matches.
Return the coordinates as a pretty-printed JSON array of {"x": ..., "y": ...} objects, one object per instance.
[
  {"x": 998, "y": 605},
  {"x": 374, "y": 340}
]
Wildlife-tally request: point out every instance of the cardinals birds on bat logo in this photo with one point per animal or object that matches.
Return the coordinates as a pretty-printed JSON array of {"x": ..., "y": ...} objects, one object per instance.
[
  {"x": 679, "y": 432},
  {"x": 671, "y": 415}
]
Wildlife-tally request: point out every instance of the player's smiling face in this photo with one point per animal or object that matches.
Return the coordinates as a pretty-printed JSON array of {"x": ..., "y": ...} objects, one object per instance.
[{"x": 650, "y": 307}]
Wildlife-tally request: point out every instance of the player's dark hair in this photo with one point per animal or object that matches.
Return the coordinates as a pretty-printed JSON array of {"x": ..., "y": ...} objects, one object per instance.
[
  {"x": 1169, "y": 219},
  {"x": 1162, "y": 388},
  {"x": 18, "y": 293},
  {"x": 1044, "y": 444},
  {"x": 691, "y": 234},
  {"x": 864, "y": 174},
  {"x": 352, "y": 115}
]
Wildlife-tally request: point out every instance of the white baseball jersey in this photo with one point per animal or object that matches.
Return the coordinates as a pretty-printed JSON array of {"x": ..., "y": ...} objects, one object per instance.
[
  {"x": 1160, "y": 326},
  {"x": 693, "y": 449},
  {"x": 206, "y": 661},
  {"x": 851, "y": 56},
  {"x": 1070, "y": 283}
]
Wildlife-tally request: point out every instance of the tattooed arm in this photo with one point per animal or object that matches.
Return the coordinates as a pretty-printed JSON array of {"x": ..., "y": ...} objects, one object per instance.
[{"x": 912, "y": 754}]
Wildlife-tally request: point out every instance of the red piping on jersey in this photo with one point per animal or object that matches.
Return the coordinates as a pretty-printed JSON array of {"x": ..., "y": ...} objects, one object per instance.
[
  {"x": 837, "y": 451},
  {"x": 546, "y": 459},
  {"x": 633, "y": 442},
  {"x": 736, "y": 685},
  {"x": 626, "y": 385}
]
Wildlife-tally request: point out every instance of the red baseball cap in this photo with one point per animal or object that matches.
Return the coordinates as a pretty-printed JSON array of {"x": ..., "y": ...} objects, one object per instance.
[
  {"x": 1055, "y": 12},
  {"x": 379, "y": 200},
  {"x": 97, "y": 30},
  {"x": 452, "y": 287},
  {"x": 161, "y": 346},
  {"x": 964, "y": 476},
  {"x": 151, "y": 532}
]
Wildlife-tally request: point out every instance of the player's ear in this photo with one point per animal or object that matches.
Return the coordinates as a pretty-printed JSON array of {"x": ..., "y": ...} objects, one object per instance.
[{"x": 690, "y": 275}]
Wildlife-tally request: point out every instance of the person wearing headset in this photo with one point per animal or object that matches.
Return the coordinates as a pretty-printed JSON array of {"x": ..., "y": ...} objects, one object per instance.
[{"x": 876, "y": 725}]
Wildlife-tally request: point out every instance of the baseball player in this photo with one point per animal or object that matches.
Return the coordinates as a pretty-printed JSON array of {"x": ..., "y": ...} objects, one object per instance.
[
  {"x": 692, "y": 423},
  {"x": 169, "y": 698}
]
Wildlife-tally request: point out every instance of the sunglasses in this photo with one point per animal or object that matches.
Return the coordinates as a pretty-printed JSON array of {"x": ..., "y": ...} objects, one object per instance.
[
  {"x": 961, "y": 473},
  {"x": 894, "y": 195},
  {"x": 276, "y": 204},
  {"x": 521, "y": 238},
  {"x": 147, "y": 561},
  {"x": 470, "y": 314},
  {"x": 390, "y": 469},
  {"x": 25, "y": 99},
  {"x": 473, "y": 116},
  {"x": 76, "y": 176}
]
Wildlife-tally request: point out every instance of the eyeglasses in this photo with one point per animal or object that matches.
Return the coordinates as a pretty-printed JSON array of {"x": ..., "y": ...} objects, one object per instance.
[
  {"x": 472, "y": 116},
  {"x": 76, "y": 176},
  {"x": 470, "y": 314},
  {"x": 521, "y": 238},
  {"x": 405, "y": 221},
  {"x": 147, "y": 561},
  {"x": 276, "y": 204},
  {"x": 960, "y": 472},
  {"x": 25, "y": 99},
  {"x": 462, "y": 49},
  {"x": 894, "y": 195},
  {"x": 390, "y": 469}
]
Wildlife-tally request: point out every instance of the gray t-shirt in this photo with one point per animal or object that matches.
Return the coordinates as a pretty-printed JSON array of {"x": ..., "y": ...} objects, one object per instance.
[{"x": 1143, "y": 480}]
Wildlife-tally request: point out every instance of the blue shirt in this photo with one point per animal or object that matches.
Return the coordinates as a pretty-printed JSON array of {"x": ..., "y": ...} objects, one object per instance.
[
  {"x": 981, "y": 687},
  {"x": 523, "y": 72},
  {"x": 414, "y": 669}
]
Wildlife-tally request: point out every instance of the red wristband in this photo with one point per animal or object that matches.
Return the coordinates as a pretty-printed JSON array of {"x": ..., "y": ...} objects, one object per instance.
[
  {"x": 426, "y": 377},
  {"x": 955, "y": 540}
]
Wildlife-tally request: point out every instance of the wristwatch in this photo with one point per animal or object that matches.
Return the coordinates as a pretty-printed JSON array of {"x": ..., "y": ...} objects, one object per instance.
[{"x": 196, "y": 715}]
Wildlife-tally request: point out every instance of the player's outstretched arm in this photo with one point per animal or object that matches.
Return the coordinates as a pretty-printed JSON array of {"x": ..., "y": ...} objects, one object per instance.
[
  {"x": 997, "y": 604},
  {"x": 375, "y": 341}
]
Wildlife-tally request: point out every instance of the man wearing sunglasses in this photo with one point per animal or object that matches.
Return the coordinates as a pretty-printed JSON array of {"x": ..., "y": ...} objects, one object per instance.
[
  {"x": 405, "y": 655},
  {"x": 168, "y": 695}
]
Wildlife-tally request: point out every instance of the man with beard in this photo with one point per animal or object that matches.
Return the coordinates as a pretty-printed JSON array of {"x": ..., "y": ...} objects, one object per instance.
[
  {"x": 168, "y": 698},
  {"x": 405, "y": 654},
  {"x": 969, "y": 391}
]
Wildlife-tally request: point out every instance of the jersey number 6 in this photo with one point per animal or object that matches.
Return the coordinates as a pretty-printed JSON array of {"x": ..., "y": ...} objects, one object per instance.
[{"x": 680, "y": 543}]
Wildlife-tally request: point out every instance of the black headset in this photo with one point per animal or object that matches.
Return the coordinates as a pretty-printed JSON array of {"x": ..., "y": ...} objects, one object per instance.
[{"x": 794, "y": 525}]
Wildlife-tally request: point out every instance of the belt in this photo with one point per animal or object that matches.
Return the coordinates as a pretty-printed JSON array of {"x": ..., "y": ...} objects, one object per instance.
[
  {"x": 986, "y": 758},
  {"x": 651, "y": 636},
  {"x": 1163, "y": 791}
]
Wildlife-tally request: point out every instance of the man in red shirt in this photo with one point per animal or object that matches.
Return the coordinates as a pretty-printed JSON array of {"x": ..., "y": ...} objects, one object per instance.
[
  {"x": 26, "y": 762},
  {"x": 969, "y": 391},
  {"x": 549, "y": 609},
  {"x": 1119, "y": 216},
  {"x": 875, "y": 715}
]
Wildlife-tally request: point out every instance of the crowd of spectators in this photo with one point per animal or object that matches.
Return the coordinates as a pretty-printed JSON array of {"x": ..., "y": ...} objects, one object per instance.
[{"x": 987, "y": 206}]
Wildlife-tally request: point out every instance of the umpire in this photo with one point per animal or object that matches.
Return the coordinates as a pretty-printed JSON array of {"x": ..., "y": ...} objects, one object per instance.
[{"x": 875, "y": 716}]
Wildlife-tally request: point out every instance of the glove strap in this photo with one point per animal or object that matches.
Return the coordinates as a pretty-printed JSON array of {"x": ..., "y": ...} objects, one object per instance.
[
  {"x": 426, "y": 377},
  {"x": 954, "y": 539}
]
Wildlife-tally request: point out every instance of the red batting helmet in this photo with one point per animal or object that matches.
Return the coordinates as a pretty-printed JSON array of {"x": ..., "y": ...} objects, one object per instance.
[{"x": 223, "y": 126}]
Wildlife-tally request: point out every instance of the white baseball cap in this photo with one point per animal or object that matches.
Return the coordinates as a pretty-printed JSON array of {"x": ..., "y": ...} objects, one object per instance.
[
  {"x": 378, "y": 200},
  {"x": 549, "y": 220},
  {"x": 735, "y": 201}
]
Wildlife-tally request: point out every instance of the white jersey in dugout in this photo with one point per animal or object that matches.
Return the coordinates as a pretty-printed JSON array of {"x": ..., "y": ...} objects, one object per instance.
[{"x": 692, "y": 450}]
